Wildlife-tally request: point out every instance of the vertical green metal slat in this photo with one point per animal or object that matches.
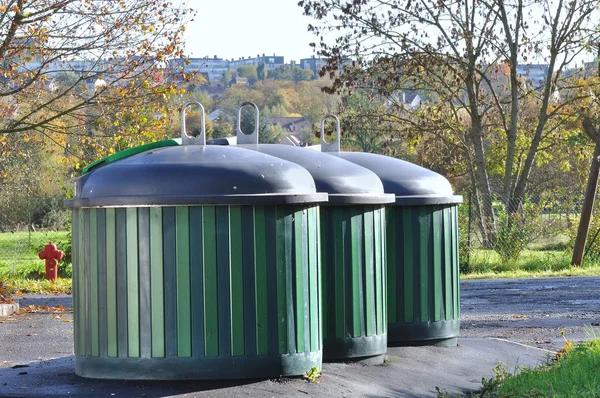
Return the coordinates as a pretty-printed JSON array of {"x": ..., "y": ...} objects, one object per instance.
[
  {"x": 437, "y": 264},
  {"x": 156, "y": 283},
  {"x": 170, "y": 280},
  {"x": 282, "y": 305},
  {"x": 396, "y": 216},
  {"x": 299, "y": 281},
  {"x": 347, "y": 262},
  {"x": 211, "y": 329},
  {"x": 133, "y": 308},
  {"x": 249, "y": 280},
  {"x": 355, "y": 219},
  {"x": 288, "y": 226},
  {"x": 237, "y": 282},
  {"x": 144, "y": 282},
  {"x": 340, "y": 296},
  {"x": 456, "y": 292},
  {"x": 362, "y": 258},
  {"x": 370, "y": 312},
  {"x": 81, "y": 284},
  {"x": 260, "y": 260},
  {"x": 313, "y": 257},
  {"x": 447, "y": 230},
  {"x": 111, "y": 283},
  {"x": 381, "y": 212},
  {"x": 86, "y": 284},
  {"x": 408, "y": 247},
  {"x": 379, "y": 287},
  {"x": 392, "y": 278},
  {"x": 75, "y": 274},
  {"x": 305, "y": 277},
  {"x": 223, "y": 280},
  {"x": 95, "y": 348},
  {"x": 184, "y": 323},
  {"x": 102, "y": 275},
  {"x": 324, "y": 241},
  {"x": 121, "y": 279},
  {"x": 271, "y": 272},
  {"x": 319, "y": 265},
  {"x": 196, "y": 281},
  {"x": 423, "y": 264}
]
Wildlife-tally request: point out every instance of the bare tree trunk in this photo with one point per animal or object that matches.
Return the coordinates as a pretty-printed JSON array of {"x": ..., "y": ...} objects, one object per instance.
[
  {"x": 588, "y": 202},
  {"x": 511, "y": 134},
  {"x": 482, "y": 184},
  {"x": 521, "y": 186},
  {"x": 590, "y": 190},
  {"x": 523, "y": 179}
]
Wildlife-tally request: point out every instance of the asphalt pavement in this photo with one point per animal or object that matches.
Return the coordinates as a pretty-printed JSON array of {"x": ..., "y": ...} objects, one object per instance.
[
  {"x": 532, "y": 311},
  {"x": 516, "y": 322}
]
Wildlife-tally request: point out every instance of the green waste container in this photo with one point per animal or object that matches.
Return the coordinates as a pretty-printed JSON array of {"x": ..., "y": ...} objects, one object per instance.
[
  {"x": 422, "y": 249},
  {"x": 196, "y": 262},
  {"x": 352, "y": 248}
]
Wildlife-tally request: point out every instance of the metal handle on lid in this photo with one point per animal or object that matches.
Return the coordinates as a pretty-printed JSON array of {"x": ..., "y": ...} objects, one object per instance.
[
  {"x": 335, "y": 145},
  {"x": 189, "y": 139},
  {"x": 243, "y": 138}
]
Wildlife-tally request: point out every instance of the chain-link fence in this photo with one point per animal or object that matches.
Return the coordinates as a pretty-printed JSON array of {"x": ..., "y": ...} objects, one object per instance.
[
  {"x": 534, "y": 232},
  {"x": 27, "y": 224}
]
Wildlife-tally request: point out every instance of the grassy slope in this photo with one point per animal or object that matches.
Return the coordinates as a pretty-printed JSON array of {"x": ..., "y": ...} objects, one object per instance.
[{"x": 575, "y": 376}]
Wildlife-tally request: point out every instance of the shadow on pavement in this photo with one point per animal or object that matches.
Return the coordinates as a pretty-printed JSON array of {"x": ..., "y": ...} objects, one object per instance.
[{"x": 56, "y": 377}]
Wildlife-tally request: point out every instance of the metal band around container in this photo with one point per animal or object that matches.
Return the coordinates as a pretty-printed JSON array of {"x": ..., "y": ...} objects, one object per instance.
[
  {"x": 428, "y": 200},
  {"x": 251, "y": 199},
  {"x": 361, "y": 199}
]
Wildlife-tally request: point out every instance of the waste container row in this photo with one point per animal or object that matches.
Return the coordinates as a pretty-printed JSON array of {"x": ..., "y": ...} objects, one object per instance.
[{"x": 195, "y": 261}]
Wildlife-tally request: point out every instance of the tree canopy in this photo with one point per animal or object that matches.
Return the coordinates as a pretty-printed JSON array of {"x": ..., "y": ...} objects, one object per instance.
[
  {"x": 67, "y": 64},
  {"x": 474, "y": 61}
]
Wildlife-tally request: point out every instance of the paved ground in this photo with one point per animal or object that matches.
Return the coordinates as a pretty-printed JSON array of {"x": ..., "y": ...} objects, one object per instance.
[
  {"x": 500, "y": 319},
  {"x": 531, "y": 311}
]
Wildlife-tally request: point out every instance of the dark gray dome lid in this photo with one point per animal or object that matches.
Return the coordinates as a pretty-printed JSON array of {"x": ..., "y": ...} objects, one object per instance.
[
  {"x": 411, "y": 184},
  {"x": 196, "y": 175},
  {"x": 345, "y": 182}
]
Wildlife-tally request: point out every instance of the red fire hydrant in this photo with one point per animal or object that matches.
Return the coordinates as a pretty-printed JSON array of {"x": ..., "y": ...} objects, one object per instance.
[{"x": 52, "y": 255}]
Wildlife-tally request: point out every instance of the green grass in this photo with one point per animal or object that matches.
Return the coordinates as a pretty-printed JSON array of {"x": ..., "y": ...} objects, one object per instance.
[
  {"x": 573, "y": 372},
  {"x": 19, "y": 252},
  {"x": 531, "y": 263},
  {"x": 575, "y": 376}
]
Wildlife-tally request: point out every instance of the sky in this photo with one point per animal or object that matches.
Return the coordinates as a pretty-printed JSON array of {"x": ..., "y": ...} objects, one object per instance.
[
  {"x": 235, "y": 28},
  {"x": 244, "y": 28}
]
